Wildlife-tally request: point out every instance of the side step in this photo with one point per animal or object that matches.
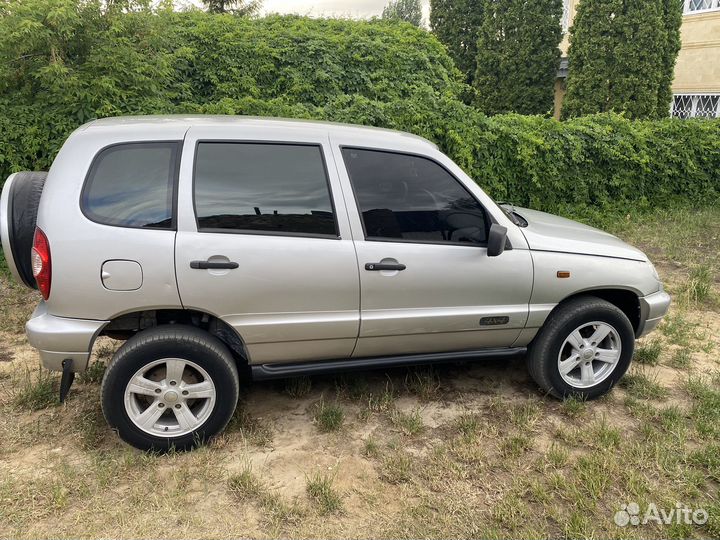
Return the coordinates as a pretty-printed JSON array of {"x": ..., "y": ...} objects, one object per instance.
[{"x": 263, "y": 372}]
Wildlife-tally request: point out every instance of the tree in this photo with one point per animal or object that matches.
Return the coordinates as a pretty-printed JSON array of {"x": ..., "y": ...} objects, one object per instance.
[
  {"x": 622, "y": 56},
  {"x": 672, "y": 15},
  {"x": 518, "y": 56},
  {"x": 456, "y": 23},
  {"x": 404, "y": 10},
  {"x": 238, "y": 7}
]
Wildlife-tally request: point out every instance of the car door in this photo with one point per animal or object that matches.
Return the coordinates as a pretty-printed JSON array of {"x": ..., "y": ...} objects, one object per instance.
[
  {"x": 427, "y": 283},
  {"x": 264, "y": 241}
]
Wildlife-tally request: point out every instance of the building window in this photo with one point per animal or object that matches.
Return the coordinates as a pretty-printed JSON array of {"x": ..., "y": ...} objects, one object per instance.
[
  {"x": 696, "y": 106},
  {"x": 700, "y": 6},
  {"x": 565, "y": 21}
]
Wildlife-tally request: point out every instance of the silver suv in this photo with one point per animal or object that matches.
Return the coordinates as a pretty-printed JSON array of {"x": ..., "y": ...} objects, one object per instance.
[{"x": 220, "y": 245}]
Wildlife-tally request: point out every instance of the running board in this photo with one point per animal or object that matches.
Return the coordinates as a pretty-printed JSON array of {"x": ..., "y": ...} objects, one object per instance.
[{"x": 263, "y": 372}]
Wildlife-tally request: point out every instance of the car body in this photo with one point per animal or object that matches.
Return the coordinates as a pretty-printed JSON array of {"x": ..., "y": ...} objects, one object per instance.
[{"x": 315, "y": 273}]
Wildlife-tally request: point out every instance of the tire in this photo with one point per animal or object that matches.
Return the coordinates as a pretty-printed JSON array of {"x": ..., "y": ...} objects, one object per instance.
[
  {"x": 27, "y": 188},
  {"x": 558, "y": 359},
  {"x": 147, "y": 359}
]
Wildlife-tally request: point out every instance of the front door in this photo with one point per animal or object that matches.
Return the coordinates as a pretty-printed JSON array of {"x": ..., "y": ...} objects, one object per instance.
[
  {"x": 262, "y": 245},
  {"x": 427, "y": 284}
]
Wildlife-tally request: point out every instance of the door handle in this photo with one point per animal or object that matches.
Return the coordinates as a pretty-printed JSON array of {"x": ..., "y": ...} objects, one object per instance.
[
  {"x": 376, "y": 267},
  {"x": 213, "y": 265}
]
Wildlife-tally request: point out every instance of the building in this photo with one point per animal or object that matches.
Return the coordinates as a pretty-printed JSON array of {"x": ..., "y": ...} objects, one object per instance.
[{"x": 696, "y": 86}]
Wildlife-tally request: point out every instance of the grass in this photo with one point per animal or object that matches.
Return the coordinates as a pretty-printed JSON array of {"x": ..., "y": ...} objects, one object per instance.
[
  {"x": 410, "y": 423},
  {"x": 423, "y": 382},
  {"x": 648, "y": 353},
  {"x": 679, "y": 330},
  {"x": 697, "y": 289},
  {"x": 37, "y": 391},
  {"x": 328, "y": 416},
  {"x": 681, "y": 359},
  {"x": 319, "y": 487},
  {"x": 254, "y": 430},
  {"x": 298, "y": 387},
  {"x": 475, "y": 452},
  {"x": 642, "y": 386},
  {"x": 574, "y": 406}
]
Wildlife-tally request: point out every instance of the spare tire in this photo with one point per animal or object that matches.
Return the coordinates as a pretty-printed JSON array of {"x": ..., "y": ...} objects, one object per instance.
[{"x": 23, "y": 200}]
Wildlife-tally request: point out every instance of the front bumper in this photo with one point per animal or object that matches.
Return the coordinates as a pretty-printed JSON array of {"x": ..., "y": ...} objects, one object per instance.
[
  {"x": 653, "y": 308},
  {"x": 60, "y": 338}
]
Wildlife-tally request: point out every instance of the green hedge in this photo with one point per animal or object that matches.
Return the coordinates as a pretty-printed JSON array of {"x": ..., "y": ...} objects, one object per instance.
[{"x": 63, "y": 62}]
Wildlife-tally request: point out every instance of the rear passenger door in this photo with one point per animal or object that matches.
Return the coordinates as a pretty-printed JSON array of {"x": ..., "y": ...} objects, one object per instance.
[
  {"x": 264, "y": 242},
  {"x": 426, "y": 280}
]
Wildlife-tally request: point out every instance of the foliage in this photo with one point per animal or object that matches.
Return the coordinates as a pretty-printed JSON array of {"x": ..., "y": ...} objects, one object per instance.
[
  {"x": 404, "y": 10},
  {"x": 63, "y": 63},
  {"x": 518, "y": 56},
  {"x": 237, "y": 7},
  {"x": 456, "y": 24},
  {"x": 622, "y": 55}
]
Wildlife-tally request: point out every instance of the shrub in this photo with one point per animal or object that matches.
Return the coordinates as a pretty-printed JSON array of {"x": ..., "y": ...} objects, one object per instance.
[{"x": 63, "y": 62}]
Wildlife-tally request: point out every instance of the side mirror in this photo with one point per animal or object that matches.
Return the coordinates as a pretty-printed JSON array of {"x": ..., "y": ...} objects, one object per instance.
[{"x": 496, "y": 240}]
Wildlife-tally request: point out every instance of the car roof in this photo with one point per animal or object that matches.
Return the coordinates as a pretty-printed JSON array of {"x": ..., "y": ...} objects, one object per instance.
[{"x": 188, "y": 121}]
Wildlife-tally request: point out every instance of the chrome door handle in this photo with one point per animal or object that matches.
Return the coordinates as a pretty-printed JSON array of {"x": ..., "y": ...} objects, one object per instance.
[
  {"x": 376, "y": 267},
  {"x": 213, "y": 265}
]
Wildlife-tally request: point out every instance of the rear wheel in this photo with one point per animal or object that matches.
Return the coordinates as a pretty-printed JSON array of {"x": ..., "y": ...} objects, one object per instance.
[
  {"x": 170, "y": 387},
  {"x": 583, "y": 349}
]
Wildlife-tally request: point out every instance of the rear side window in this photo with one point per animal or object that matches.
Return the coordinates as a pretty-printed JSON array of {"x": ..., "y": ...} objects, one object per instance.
[
  {"x": 409, "y": 198},
  {"x": 132, "y": 185},
  {"x": 263, "y": 188}
]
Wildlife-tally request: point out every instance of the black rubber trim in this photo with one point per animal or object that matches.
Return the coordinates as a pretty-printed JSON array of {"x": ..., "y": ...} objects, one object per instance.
[
  {"x": 264, "y": 372},
  {"x": 213, "y": 265},
  {"x": 376, "y": 267}
]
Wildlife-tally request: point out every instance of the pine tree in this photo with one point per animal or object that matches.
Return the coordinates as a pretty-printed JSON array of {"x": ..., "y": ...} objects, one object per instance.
[
  {"x": 621, "y": 58},
  {"x": 518, "y": 56},
  {"x": 672, "y": 15},
  {"x": 456, "y": 23},
  {"x": 404, "y": 10}
]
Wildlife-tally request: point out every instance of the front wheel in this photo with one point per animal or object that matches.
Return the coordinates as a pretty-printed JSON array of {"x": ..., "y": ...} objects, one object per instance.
[
  {"x": 583, "y": 349},
  {"x": 170, "y": 387}
]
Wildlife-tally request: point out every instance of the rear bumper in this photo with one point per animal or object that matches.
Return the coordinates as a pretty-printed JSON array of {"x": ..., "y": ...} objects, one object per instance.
[
  {"x": 59, "y": 338},
  {"x": 653, "y": 308}
]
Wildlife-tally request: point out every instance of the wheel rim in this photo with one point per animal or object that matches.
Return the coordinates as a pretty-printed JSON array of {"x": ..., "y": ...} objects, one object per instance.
[
  {"x": 169, "y": 397},
  {"x": 589, "y": 354}
]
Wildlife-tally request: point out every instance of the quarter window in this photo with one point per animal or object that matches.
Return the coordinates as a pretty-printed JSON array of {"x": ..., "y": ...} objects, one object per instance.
[
  {"x": 413, "y": 199},
  {"x": 132, "y": 185},
  {"x": 267, "y": 188}
]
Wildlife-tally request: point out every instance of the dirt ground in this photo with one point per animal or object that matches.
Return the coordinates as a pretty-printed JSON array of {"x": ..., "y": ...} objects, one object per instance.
[{"x": 466, "y": 450}]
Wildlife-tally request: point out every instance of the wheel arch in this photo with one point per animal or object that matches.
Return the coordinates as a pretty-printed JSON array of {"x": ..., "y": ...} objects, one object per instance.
[
  {"x": 125, "y": 325},
  {"x": 626, "y": 300}
]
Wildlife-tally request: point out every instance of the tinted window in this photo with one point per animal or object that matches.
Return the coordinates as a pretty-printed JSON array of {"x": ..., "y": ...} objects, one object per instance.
[
  {"x": 412, "y": 198},
  {"x": 131, "y": 185},
  {"x": 276, "y": 188}
]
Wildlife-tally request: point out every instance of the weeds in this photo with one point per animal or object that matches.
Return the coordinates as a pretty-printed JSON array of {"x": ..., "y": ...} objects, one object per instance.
[
  {"x": 648, "y": 353},
  {"x": 698, "y": 287},
  {"x": 328, "y": 417},
  {"x": 37, "y": 392},
  {"x": 641, "y": 386},
  {"x": 409, "y": 423},
  {"x": 93, "y": 374},
  {"x": 253, "y": 429},
  {"x": 423, "y": 383},
  {"x": 397, "y": 468},
  {"x": 681, "y": 359},
  {"x": 298, "y": 387},
  {"x": 320, "y": 488},
  {"x": 574, "y": 406}
]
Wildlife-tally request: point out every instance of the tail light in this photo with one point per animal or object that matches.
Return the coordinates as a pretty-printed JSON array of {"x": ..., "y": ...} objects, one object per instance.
[{"x": 41, "y": 262}]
